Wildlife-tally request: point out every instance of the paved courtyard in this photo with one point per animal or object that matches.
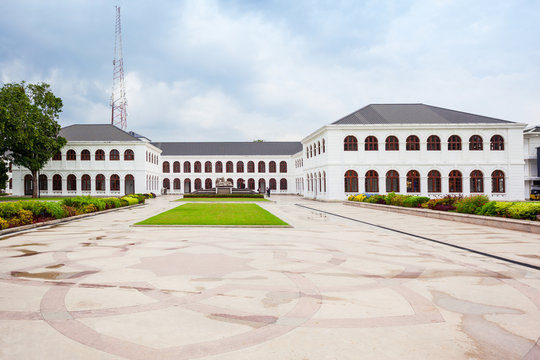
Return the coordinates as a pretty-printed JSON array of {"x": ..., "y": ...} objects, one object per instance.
[{"x": 328, "y": 288}]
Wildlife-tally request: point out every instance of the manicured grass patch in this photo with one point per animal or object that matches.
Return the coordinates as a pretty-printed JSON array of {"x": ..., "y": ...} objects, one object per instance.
[
  {"x": 221, "y": 199},
  {"x": 214, "y": 214}
]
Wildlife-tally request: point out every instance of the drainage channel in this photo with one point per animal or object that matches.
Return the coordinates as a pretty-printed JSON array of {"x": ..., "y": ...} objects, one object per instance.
[{"x": 515, "y": 262}]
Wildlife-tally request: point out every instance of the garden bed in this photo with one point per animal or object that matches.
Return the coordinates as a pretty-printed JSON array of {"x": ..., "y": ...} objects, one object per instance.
[
  {"x": 27, "y": 212},
  {"x": 218, "y": 196}
]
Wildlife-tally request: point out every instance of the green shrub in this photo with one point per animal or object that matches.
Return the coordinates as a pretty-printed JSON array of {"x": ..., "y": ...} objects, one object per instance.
[
  {"x": 25, "y": 217},
  {"x": 3, "y": 224},
  {"x": 488, "y": 209},
  {"x": 469, "y": 204},
  {"x": 38, "y": 208},
  {"x": 377, "y": 199},
  {"x": 131, "y": 200},
  {"x": 350, "y": 197},
  {"x": 501, "y": 208},
  {"x": 360, "y": 198},
  {"x": 55, "y": 210},
  {"x": 90, "y": 208},
  {"x": 396, "y": 199},
  {"x": 523, "y": 210},
  {"x": 9, "y": 209},
  {"x": 69, "y": 210},
  {"x": 415, "y": 201},
  {"x": 80, "y": 202},
  {"x": 446, "y": 203},
  {"x": 123, "y": 202}
]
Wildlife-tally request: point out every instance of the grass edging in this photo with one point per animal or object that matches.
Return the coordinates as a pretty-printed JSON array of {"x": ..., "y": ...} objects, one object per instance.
[
  {"x": 491, "y": 221},
  {"x": 58, "y": 221}
]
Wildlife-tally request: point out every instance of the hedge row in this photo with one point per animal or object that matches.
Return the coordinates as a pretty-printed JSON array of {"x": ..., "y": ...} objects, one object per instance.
[
  {"x": 477, "y": 204},
  {"x": 26, "y": 212},
  {"x": 251, "y": 196}
]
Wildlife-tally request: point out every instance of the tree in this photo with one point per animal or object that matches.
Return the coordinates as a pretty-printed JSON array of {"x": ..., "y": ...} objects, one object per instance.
[{"x": 28, "y": 127}]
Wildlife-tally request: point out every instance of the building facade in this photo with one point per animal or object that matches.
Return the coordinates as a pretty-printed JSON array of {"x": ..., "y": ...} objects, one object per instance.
[{"x": 403, "y": 148}]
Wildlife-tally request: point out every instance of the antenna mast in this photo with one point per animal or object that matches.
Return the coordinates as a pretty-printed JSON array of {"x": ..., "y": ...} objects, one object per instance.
[{"x": 118, "y": 97}]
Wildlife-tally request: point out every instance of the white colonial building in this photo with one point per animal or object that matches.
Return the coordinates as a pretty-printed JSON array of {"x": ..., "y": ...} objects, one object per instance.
[
  {"x": 405, "y": 148},
  {"x": 531, "y": 150}
]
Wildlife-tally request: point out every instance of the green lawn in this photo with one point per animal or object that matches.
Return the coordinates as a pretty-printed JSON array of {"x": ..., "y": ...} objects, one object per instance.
[
  {"x": 214, "y": 214},
  {"x": 221, "y": 199}
]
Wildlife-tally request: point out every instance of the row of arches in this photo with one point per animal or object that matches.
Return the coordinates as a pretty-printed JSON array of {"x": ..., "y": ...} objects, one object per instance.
[
  {"x": 152, "y": 158},
  {"x": 208, "y": 184},
  {"x": 230, "y": 167},
  {"x": 433, "y": 143},
  {"x": 85, "y": 155},
  {"x": 434, "y": 183},
  {"x": 84, "y": 183},
  {"x": 316, "y": 182},
  {"x": 316, "y": 148}
]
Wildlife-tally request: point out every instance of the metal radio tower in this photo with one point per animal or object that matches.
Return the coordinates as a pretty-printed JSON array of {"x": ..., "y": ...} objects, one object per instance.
[{"x": 118, "y": 97}]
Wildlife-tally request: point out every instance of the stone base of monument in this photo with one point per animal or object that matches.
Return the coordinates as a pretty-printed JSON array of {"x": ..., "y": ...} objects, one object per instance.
[{"x": 222, "y": 190}]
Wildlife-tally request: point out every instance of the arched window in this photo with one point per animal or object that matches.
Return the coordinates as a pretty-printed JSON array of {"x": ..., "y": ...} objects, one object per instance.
[
  {"x": 496, "y": 143},
  {"x": 412, "y": 143},
  {"x": 146, "y": 156},
  {"x": 85, "y": 155},
  {"x": 392, "y": 143},
  {"x": 392, "y": 181},
  {"x": 207, "y": 167},
  {"x": 251, "y": 167},
  {"x": 324, "y": 180},
  {"x": 240, "y": 184},
  {"x": 197, "y": 166},
  {"x": 372, "y": 181},
  {"x": 476, "y": 143},
  {"x": 434, "y": 181},
  {"x": 455, "y": 182},
  {"x": 497, "y": 181},
  {"x": 114, "y": 155},
  {"x": 240, "y": 167},
  {"x": 71, "y": 155},
  {"x": 11, "y": 183},
  {"x": 371, "y": 144},
  {"x": 283, "y": 184},
  {"x": 251, "y": 184},
  {"x": 208, "y": 183},
  {"x": 262, "y": 185},
  {"x": 282, "y": 166},
  {"x": 307, "y": 152},
  {"x": 311, "y": 151},
  {"x": 323, "y": 146},
  {"x": 115, "y": 182},
  {"x": 57, "y": 156},
  {"x": 198, "y": 184},
  {"x": 86, "y": 183},
  {"x": 43, "y": 184},
  {"x": 434, "y": 143},
  {"x": 166, "y": 184},
  {"x": 318, "y": 147},
  {"x": 166, "y": 167},
  {"x": 351, "y": 181},
  {"x": 187, "y": 186},
  {"x": 477, "y": 181},
  {"x": 272, "y": 167},
  {"x": 413, "y": 181},
  {"x": 273, "y": 184},
  {"x": 187, "y": 167},
  {"x": 100, "y": 155},
  {"x": 454, "y": 142},
  {"x": 176, "y": 184},
  {"x": 228, "y": 180},
  {"x": 261, "y": 167},
  {"x": 229, "y": 167},
  {"x": 100, "y": 182},
  {"x": 129, "y": 155},
  {"x": 176, "y": 167},
  {"x": 350, "y": 143},
  {"x": 219, "y": 167},
  {"x": 319, "y": 179},
  {"x": 57, "y": 182}
]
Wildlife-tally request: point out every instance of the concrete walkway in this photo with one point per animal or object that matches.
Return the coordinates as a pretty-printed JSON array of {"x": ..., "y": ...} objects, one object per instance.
[{"x": 329, "y": 288}]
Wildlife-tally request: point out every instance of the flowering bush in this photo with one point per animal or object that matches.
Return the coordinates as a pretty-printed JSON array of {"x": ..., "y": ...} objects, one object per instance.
[{"x": 469, "y": 204}]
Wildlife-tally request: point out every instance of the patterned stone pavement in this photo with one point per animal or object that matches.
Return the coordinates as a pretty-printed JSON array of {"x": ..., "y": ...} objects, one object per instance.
[{"x": 329, "y": 288}]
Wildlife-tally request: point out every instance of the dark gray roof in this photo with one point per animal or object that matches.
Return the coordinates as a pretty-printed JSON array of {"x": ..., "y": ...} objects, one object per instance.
[
  {"x": 229, "y": 148},
  {"x": 95, "y": 132},
  {"x": 413, "y": 114}
]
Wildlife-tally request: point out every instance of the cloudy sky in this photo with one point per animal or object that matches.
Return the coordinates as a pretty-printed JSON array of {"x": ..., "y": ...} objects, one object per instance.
[{"x": 233, "y": 70}]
